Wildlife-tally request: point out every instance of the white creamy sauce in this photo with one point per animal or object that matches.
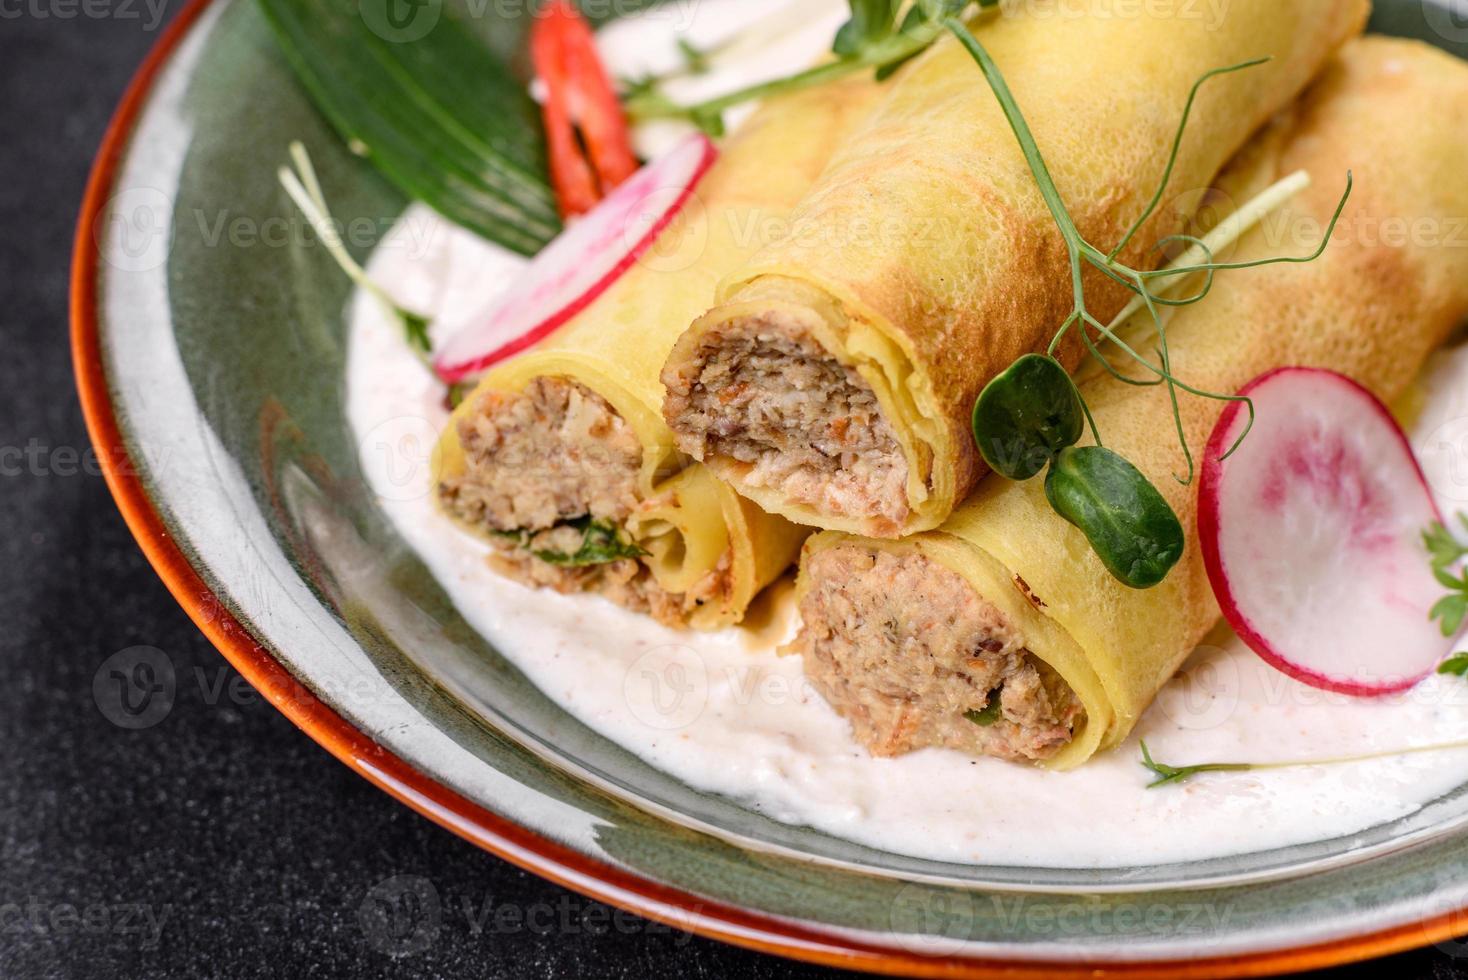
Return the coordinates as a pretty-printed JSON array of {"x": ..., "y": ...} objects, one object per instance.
[{"x": 726, "y": 714}]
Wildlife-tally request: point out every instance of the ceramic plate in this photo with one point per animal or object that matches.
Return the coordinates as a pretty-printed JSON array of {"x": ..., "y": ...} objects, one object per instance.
[{"x": 210, "y": 345}]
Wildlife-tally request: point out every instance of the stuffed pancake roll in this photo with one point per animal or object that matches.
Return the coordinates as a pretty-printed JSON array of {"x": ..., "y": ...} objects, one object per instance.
[
  {"x": 561, "y": 458},
  {"x": 834, "y": 380},
  {"x": 1002, "y": 633}
]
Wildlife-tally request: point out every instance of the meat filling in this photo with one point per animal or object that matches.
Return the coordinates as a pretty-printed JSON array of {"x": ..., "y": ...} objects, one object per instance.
[
  {"x": 912, "y": 657},
  {"x": 552, "y": 474},
  {"x": 555, "y": 452},
  {"x": 768, "y": 396}
]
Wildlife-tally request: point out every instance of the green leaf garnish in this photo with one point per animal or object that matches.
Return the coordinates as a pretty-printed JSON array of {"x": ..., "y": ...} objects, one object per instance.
[
  {"x": 457, "y": 393},
  {"x": 1445, "y": 553},
  {"x": 1126, "y": 520},
  {"x": 1129, "y": 524},
  {"x": 1450, "y": 610},
  {"x": 1444, "y": 549},
  {"x": 601, "y": 544},
  {"x": 304, "y": 188},
  {"x": 872, "y": 40},
  {"x": 434, "y": 110},
  {"x": 1457, "y": 665},
  {"x": 1026, "y": 415},
  {"x": 872, "y": 21},
  {"x": 988, "y": 715},
  {"x": 416, "y": 329}
]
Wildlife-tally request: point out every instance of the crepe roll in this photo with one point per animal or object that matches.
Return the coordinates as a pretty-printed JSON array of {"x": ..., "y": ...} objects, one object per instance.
[
  {"x": 834, "y": 380},
  {"x": 1001, "y": 633},
  {"x": 561, "y": 458}
]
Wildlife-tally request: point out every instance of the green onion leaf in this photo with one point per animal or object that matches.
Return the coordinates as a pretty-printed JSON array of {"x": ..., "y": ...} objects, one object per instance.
[{"x": 438, "y": 114}]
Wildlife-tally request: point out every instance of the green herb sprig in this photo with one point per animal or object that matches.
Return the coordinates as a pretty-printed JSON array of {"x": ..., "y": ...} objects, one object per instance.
[
  {"x": 304, "y": 188},
  {"x": 601, "y": 544},
  {"x": 1033, "y": 414},
  {"x": 1446, "y": 554},
  {"x": 1456, "y": 665},
  {"x": 1172, "y": 775},
  {"x": 874, "y": 39}
]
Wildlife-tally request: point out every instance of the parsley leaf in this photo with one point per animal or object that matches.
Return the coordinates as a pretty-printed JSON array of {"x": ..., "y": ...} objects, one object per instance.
[
  {"x": 1456, "y": 664},
  {"x": 1445, "y": 552}
]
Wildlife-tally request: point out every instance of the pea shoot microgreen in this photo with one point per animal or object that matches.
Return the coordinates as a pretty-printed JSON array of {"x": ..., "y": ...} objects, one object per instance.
[
  {"x": 1171, "y": 775},
  {"x": 305, "y": 190},
  {"x": 877, "y": 38},
  {"x": 1129, "y": 524}
]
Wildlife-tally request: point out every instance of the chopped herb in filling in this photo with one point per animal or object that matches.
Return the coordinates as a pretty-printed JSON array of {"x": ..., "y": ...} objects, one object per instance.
[
  {"x": 988, "y": 714},
  {"x": 601, "y": 543}
]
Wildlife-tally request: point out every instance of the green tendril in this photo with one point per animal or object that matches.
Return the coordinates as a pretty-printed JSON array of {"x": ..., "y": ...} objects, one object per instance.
[
  {"x": 1274, "y": 260},
  {"x": 1171, "y": 775},
  {"x": 876, "y": 39},
  {"x": 1094, "y": 494},
  {"x": 304, "y": 189},
  {"x": 1177, "y": 143}
]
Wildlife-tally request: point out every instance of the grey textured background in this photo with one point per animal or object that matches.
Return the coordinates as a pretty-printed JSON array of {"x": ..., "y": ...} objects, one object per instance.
[{"x": 221, "y": 842}]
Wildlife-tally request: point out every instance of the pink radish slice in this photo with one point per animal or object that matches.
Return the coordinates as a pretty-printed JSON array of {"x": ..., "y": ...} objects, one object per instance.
[
  {"x": 582, "y": 263},
  {"x": 1312, "y": 535}
]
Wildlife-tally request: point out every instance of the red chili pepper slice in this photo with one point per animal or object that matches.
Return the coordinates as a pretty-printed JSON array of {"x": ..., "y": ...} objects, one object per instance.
[{"x": 586, "y": 131}]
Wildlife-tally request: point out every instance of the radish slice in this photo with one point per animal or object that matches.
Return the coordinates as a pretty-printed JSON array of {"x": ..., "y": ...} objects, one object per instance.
[
  {"x": 582, "y": 263},
  {"x": 1312, "y": 535}
]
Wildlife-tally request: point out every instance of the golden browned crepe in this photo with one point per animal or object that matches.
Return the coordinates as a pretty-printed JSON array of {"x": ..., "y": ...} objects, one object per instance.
[
  {"x": 572, "y": 431},
  {"x": 834, "y": 381},
  {"x": 1391, "y": 287}
]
